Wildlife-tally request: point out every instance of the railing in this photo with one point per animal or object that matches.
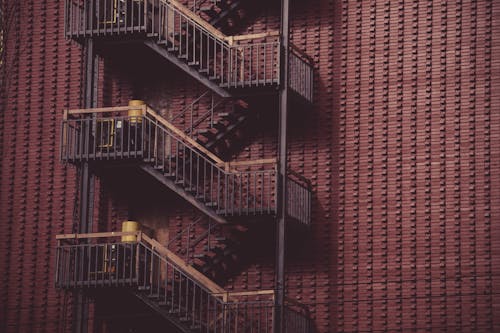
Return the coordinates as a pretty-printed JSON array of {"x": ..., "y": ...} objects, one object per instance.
[
  {"x": 217, "y": 56},
  {"x": 299, "y": 197},
  {"x": 197, "y": 4},
  {"x": 202, "y": 109},
  {"x": 297, "y": 317},
  {"x": 206, "y": 177},
  {"x": 86, "y": 265},
  {"x": 104, "y": 17},
  {"x": 224, "y": 59},
  {"x": 106, "y": 134},
  {"x": 301, "y": 73},
  {"x": 193, "y": 239},
  {"x": 157, "y": 275},
  {"x": 182, "y": 33}
]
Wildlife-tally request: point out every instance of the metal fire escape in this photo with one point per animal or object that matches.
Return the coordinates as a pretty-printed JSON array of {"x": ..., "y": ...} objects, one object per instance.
[{"x": 227, "y": 192}]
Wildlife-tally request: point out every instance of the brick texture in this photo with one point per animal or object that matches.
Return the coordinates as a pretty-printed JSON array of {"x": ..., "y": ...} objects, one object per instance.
[{"x": 402, "y": 147}]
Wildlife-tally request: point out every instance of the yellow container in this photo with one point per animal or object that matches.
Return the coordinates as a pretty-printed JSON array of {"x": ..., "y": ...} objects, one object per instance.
[
  {"x": 130, "y": 226},
  {"x": 135, "y": 110}
]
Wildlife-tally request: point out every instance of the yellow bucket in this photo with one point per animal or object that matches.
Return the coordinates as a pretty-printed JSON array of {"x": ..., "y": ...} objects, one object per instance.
[
  {"x": 135, "y": 110},
  {"x": 130, "y": 226}
]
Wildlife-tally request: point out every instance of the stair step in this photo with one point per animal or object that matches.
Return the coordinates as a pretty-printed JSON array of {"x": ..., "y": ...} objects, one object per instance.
[
  {"x": 207, "y": 133},
  {"x": 201, "y": 266},
  {"x": 211, "y": 204},
  {"x": 179, "y": 182},
  {"x": 191, "y": 189},
  {"x": 227, "y": 115},
  {"x": 174, "y": 34},
  {"x": 209, "y": 254},
  {"x": 153, "y": 296},
  {"x": 221, "y": 4},
  {"x": 209, "y": 10},
  {"x": 164, "y": 303},
  {"x": 143, "y": 287},
  {"x": 194, "y": 63},
  {"x": 203, "y": 70},
  {"x": 173, "y": 49},
  {"x": 219, "y": 125},
  {"x": 214, "y": 78}
]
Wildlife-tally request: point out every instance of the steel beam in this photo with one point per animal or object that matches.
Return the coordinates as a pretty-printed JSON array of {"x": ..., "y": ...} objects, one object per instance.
[
  {"x": 81, "y": 309},
  {"x": 186, "y": 68},
  {"x": 184, "y": 194},
  {"x": 279, "y": 322}
]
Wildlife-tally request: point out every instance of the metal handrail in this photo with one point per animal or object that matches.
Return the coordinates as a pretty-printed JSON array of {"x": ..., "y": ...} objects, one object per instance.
[
  {"x": 187, "y": 250},
  {"x": 190, "y": 106},
  {"x": 183, "y": 32},
  {"x": 107, "y": 135},
  {"x": 144, "y": 138},
  {"x": 223, "y": 59},
  {"x": 210, "y": 113},
  {"x": 301, "y": 73},
  {"x": 101, "y": 260}
]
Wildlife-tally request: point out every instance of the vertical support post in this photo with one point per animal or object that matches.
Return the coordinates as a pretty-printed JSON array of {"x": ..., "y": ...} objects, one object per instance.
[
  {"x": 279, "y": 323},
  {"x": 80, "y": 324}
]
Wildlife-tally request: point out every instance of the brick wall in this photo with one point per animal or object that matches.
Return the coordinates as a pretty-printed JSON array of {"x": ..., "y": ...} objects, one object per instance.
[{"x": 402, "y": 147}]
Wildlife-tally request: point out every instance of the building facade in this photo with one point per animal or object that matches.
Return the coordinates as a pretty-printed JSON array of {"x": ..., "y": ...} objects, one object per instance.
[{"x": 397, "y": 151}]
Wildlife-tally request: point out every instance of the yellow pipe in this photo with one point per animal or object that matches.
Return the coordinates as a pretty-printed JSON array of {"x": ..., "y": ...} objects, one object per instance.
[
  {"x": 135, "y": 110},
  {"x": 130, "y": 226}
]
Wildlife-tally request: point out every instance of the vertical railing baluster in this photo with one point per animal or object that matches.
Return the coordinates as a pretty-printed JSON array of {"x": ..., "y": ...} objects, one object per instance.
[
  {"x": 165, "y": 283},
  {"x": 173, "y": 288},
  {"x": 240, "y": 194},
  {"x": 158, "y": 275}
]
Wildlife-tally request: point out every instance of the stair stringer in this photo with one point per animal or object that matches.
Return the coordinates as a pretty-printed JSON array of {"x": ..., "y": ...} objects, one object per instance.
[
  {"x": 186, "y": 68},
  {"x": 183, "y": 193},
  {"x": 155, "y": 307}
]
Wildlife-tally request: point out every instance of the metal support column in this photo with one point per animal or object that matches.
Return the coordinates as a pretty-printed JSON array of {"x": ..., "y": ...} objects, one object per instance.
[
  {"x": 81, "y": 315},
  {"x": 279, "y": 322}
]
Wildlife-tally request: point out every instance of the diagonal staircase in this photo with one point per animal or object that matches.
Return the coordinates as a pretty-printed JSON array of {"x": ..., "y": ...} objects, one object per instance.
[
  {"x": 226, "y": 15},
  {"x": 186, "y": 160},
  {"x": 228, "y": 65},
  {"x": 212, "y": 249},
  {"x": 214, "y": 122},
  {"x": 109, "y": 135},
  {"x": 162, "y": 280}
]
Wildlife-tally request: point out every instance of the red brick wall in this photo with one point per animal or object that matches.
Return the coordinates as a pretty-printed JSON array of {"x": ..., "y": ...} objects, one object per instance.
[
  {"x": 402, "y": 147},
  {"x": 36, "y": 190},
  {"x": 418, "y": 160}
]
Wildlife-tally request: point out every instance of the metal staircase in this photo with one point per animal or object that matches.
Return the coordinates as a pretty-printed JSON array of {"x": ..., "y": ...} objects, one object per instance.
[
  {"x": 228, "y": 65},
  {"x": 186, "y": 160},
  {"x": 162, "y": 280},
  {"x": 214, "y": 122},
  {"x": 216, "y": 187},
  {"x": 212, "y": 249},
  {"x": 226, "y": 15}
]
